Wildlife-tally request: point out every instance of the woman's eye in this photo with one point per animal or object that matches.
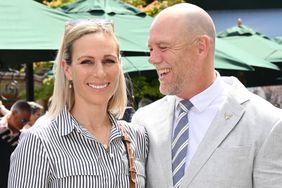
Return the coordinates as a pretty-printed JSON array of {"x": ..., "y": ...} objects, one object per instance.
[
  {"x": 110, "y": 61},
  {"x": 86, "y": 62}
]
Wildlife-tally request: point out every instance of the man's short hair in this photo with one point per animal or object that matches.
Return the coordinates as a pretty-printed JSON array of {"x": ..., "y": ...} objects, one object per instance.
[
  {"x": 21, "y": 105},
  {"x": 35, "y": 107}
]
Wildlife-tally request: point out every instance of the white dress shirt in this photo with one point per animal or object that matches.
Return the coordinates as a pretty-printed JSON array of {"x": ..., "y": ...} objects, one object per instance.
[{"x": 205, "y": 106}]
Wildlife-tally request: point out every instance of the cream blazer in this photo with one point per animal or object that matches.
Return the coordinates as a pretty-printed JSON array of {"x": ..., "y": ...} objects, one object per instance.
[{"x": 241, "y": 149}]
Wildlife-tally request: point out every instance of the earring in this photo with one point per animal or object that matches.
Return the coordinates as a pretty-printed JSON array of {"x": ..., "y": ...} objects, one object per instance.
[{"x": 70, "y": 84}]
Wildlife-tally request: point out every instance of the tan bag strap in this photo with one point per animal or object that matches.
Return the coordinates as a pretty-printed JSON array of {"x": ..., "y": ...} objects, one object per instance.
[{"x": 130, "y": 156}]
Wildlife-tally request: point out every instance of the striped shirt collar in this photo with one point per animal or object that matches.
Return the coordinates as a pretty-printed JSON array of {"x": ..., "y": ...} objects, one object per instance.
[{"x": 67, "y": 123}]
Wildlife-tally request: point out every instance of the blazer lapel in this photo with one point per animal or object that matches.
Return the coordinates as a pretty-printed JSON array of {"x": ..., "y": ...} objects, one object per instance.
[
  {"x": 164, "y": 130},
  {"x": 224, "y": 122}
]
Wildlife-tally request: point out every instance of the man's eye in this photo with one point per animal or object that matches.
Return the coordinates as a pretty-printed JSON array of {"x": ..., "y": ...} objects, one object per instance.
[{"x": 162, "y": 48}]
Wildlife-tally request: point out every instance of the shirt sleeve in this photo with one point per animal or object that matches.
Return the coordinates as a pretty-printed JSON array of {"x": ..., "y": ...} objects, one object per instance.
[{"x": 29, "y": 165}]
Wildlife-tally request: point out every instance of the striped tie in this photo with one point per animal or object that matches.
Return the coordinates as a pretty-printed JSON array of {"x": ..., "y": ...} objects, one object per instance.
[{"x": 180, "y": 143}]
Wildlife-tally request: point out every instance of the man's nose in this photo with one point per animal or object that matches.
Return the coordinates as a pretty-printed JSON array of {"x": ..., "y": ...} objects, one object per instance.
[{"x": 155, "y": 57}]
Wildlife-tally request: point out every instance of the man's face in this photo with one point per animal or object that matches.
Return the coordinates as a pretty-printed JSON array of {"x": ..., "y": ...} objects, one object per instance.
[
  {"x": 34, "y": 117},
  {"x": 172, "y": 55},
  {"x": 20, "y": 118}
]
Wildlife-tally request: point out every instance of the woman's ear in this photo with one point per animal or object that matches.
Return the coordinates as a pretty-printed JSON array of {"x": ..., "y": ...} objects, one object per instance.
[{"x": 66, "y": 69}]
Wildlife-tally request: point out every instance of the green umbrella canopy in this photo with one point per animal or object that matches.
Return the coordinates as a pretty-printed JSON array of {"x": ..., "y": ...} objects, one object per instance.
[
  {"x": 140, "y": 63},
  {"x": 136, "y": 64},
  {"x": 225, "y": 62},
  {"x": 227, "y": 49},
  {"x": 29, "y": 31},
  {"x": 278, "y": 40},
  {"x": 131, "y": 25},
  {"x": 255, "y": 44}
]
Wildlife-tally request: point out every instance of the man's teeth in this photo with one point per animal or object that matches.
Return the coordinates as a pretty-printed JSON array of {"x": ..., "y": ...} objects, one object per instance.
[
  {"x": 98, "y": 86},
  {"x": 164, "y": 71}
]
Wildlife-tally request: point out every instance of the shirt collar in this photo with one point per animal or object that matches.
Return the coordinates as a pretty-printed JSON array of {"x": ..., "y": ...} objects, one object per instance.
[
  {"x": 202, "y": 100},
  {"x": 67, "y": 123}
]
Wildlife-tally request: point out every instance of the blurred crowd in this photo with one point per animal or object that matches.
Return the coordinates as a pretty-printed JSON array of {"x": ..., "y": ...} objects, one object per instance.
[
  {"x": 13, "y": 122},
  {"x": 272, "y": 94}
]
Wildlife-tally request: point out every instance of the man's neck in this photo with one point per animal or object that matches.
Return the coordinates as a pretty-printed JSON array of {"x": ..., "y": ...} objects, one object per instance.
[{"x": 13, "y": 129}]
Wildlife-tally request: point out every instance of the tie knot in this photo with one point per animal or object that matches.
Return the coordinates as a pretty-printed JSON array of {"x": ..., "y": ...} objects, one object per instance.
[{"x": 185, "y": 105}]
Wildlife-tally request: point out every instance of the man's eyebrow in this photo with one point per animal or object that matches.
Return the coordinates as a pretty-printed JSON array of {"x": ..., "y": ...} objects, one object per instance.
[{"x": 162, "y": 43}]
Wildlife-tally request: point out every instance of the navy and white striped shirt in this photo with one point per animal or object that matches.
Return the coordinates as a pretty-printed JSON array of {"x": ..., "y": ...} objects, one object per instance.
[{"x": 63, "y": 154}]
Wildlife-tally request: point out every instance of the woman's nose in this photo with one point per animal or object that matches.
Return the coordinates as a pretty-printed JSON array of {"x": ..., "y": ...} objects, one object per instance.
[{"x": 99, "y": 70}]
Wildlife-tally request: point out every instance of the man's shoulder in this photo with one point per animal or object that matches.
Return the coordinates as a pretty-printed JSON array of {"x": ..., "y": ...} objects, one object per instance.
[
  {"x": 157, "y": 104},
  {"x": 254, "y": 105},
  {"x": 154, "y": 110},
  {"x": 263, "y": 108}
]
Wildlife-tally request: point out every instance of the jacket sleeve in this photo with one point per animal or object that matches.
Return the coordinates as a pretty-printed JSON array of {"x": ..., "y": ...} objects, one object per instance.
[{"x": 268, "y": 162}]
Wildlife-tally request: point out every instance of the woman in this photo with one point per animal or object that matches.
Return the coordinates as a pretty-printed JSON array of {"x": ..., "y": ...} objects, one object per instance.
[{"x": 82, "y": 145}]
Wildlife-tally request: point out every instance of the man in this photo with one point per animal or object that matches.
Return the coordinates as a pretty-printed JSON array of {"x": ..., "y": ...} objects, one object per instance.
[
  {"x": 222, "y": 136},
  {"x": 10, "y": 126},
  {"x": 36, "y": 112}
]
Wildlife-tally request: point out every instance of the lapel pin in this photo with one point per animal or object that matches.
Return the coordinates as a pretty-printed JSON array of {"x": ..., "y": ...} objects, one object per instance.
[{"x": 227, "y": 116}]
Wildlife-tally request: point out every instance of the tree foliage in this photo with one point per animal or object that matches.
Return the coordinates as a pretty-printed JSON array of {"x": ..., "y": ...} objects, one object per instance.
[
  {"x": 145, "y": 87},
  {"x": 56, "y": 3},
  {"x": 153, "y": 8}
]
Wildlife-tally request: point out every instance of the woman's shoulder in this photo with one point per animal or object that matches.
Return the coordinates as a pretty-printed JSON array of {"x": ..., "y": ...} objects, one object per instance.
[
  {"x": 138, "y": 137},
  {"x": 43, "y": 127},
  {"x": 132, "y": 128}
]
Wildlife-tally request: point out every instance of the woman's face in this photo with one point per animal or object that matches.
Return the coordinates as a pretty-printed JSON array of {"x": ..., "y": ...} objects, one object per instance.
[{"x": 95, "y": 69}]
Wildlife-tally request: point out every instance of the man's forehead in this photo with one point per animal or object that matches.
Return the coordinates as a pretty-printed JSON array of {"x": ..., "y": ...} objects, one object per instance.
[
  {"x": 164, "y": 37},
  {"x": 24, "y": 112}
]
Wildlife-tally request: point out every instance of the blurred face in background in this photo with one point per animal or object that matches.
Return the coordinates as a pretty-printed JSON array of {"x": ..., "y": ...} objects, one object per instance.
[
  {"x": 34, "y": 116},
  {"x": 19, "y": 119}
]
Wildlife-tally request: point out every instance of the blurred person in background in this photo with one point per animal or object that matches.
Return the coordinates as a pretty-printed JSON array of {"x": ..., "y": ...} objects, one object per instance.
[
  {"x": 129, "y": 110},
  {"x": 10, "y": 125},
  {"x": 36, "y": 112},
  {"x": 144, "y": 102}
]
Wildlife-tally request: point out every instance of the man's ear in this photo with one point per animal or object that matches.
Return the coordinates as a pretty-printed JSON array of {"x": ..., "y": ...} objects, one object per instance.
[
  {"x": 66, "y": 69},
  {"x": 203, "y": 45},
  {"x": 14, "y": 112}
]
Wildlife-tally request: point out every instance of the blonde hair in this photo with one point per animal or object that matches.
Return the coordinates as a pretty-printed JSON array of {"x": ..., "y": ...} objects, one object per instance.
[{"x": 62, "y": 94}]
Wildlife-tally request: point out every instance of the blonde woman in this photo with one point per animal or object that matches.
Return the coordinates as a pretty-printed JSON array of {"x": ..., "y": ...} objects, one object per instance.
[{"x": 78, "y": 143}]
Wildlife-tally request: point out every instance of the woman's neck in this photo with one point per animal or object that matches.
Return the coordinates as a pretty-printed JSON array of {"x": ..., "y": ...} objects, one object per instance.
[{"x": 96, "y": 120}]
